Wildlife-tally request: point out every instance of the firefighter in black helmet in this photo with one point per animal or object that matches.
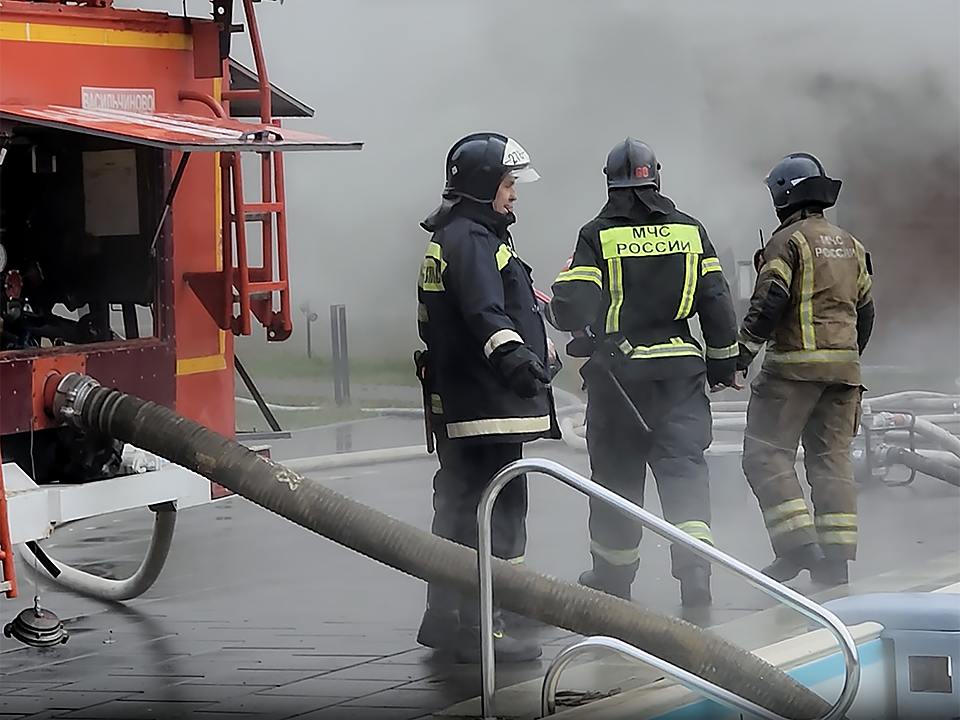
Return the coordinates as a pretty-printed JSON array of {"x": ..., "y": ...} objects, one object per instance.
[
  {"x": 640, "y": 271},
  {"x": 485, "y": 375},
  {"x": 812, "y": 308}
]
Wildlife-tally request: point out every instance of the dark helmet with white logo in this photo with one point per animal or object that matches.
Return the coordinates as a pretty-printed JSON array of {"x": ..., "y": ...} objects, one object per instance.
[
  {"x": 800, "y": 181},
  {"x": 632, "y": 164},
  {"x": 477, "y": 164}
]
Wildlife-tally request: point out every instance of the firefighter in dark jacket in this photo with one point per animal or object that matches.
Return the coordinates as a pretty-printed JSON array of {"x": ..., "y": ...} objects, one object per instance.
[
  {"x": 813, "y": 309},
  {"x": 640, "y": 271},
  {"x": 485, "y": 379}
]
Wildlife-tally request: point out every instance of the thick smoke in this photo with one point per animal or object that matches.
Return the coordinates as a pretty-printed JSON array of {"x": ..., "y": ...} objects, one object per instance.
[{"x": 721, "y": 90}]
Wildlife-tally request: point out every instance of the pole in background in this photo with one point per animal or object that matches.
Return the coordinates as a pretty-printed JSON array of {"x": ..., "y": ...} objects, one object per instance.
[
  {"x": 311, "y": 317},
  {"x": 341, "y": 357}
]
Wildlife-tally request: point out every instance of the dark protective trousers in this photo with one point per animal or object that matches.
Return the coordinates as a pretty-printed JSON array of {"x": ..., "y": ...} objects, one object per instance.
[
  {"x": 678, "y": 412},
  {"x": 824, "y": 417},
  {"x": 465, "y": 471}
]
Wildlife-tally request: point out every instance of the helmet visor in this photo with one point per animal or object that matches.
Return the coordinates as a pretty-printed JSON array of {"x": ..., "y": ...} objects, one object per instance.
[
  {"x": 524, "y": 175},
  {"x": 516, "y": 161}
]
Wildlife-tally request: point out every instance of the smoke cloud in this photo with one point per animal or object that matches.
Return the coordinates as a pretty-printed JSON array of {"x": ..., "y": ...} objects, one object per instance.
[{"x": 721, "y": 90}]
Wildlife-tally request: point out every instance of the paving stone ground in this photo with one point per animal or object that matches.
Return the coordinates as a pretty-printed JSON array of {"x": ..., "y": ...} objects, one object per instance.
[{"x": 256, "y": 618}]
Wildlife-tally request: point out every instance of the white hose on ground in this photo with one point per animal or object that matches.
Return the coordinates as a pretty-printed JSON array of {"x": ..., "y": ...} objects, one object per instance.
[
  {"x": 945, "y": 438},
  {"x": 943, "y": 456},
  {"x": 84, "y": 583},
  {"x": 284, "y": 408},
  {"x": 352, "y": 459},
  {"x": 911, "y": 395}
]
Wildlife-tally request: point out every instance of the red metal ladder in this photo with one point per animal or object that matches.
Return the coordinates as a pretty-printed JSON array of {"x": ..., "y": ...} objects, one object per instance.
[
  {"x": 262, "y": 291},
  {"x": 254, "y": 287}
]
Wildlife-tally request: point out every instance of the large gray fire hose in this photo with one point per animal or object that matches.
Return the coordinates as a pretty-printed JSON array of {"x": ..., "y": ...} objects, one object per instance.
[{"x": 82, "y": 402}]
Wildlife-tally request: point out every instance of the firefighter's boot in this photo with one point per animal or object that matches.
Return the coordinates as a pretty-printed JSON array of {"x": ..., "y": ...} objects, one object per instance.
[
  {"x": 830, "y": 572},
  {"x": 507, "y": 647},
  {"x": 612, "y": 579},
  {"x": 790, "y": 564},
  {"x": 695, "y": 588}
]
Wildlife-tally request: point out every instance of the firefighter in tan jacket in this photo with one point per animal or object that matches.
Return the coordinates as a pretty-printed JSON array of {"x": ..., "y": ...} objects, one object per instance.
[{"x": 813, "y": 310}]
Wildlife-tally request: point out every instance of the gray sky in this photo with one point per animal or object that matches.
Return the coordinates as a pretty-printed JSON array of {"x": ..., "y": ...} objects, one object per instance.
[{"x": 721, "y": 90}]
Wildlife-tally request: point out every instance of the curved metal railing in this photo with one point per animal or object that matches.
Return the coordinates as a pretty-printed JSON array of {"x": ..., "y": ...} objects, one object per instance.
[
  {"x": 785, "y": 595},
  {"x": 548, "y": 700}
]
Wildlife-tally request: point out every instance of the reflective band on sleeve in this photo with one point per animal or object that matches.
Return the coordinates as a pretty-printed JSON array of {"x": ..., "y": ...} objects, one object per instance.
[
  {"x": 650, "y": 240},
  {"x": 431, "y": 271},
  {"x": 784, "y": 509},
  {"x": 615, "y": 269},
  {"x": 797, "y": 522},
  {"x": 724, "y": 353},
  {"x": 436, "y": 404},
  {"x": 615, "y": 557},
  {"x": 677, "y": 347},
  {"x": 586, "y": 273},
  {"x": 806, "y": 293},
  {"x": 689, "y": 286},
  {"x": 501, "y": 337},
  {"x": 838, "y": 537},
  {"x": 697, "y": 529},
  {"x": 710, "y": 264},
  {"x": 516, "y": 560},
  {"x": 779, "y": 267},
  {"x": 498, "y": 426},
  {"x": 503, "y": 256},
  {"x": 422, "y": 314},
  {"x": 840, "y": 521},
  {"x": 812, "y": 356}
]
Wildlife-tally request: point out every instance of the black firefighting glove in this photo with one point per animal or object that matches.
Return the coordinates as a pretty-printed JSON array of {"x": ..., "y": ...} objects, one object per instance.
[
  {"x": 721, "y": 373},
  {"x": 522, "y": 370}
]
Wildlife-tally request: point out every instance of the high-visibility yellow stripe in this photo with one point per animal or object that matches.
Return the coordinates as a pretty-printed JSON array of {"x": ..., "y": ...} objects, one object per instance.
[
  {"x": 838, "y": 537},
  {"x": 615, "y": 271},
  {"x": 837, "y": 520},
  {"x": 709, "y": 265},
  {"x": 615, "y": 557},
  {"x": 697, "y": 529},
  {"x": 205, "y": 363},
  {"x": 724, "y": 353},
  {"x": 431, "y": 271},
  {"x": 85, "y": 35},
  {"x": 498, "y": 426},
  {"x": 784, "y": 509},
  {"x": 503, "y": 256},
  {"x": 677, "y": 347},
  {"x": 585, "y": 273},
  {"x": 791, "y": 524},
  {"x": 689, "y": 287},
  {"x": 812, "y": 356},
  {"x": 806, "y": 293},
  {"x": 650, "y": 240},
  {"x": 779, "y": 267}
]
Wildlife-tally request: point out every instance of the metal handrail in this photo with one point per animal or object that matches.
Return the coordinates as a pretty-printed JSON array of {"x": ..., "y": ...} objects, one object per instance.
[
  {"x": 684, "y": 677},
  {"x": 785, "y": 595}
]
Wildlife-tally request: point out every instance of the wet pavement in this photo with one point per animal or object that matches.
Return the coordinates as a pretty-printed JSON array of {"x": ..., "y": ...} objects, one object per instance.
[{"x": 254, "y": 617}]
